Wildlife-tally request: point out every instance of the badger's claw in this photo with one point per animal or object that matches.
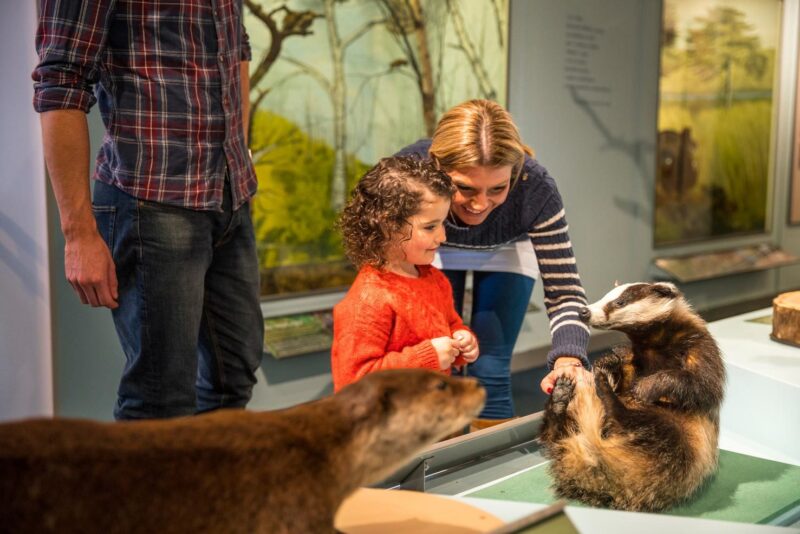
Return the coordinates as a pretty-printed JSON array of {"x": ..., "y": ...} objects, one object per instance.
[{"x": 562, "y": 394}]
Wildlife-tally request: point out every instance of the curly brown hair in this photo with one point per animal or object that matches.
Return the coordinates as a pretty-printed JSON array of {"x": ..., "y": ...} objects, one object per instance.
[{"x": 383, "y": 201}]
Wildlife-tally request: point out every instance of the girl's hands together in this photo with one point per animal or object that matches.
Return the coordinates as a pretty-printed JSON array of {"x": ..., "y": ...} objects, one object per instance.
[
  {"x": 446, "y": 349},
  {"x": 467, "y": 344}
]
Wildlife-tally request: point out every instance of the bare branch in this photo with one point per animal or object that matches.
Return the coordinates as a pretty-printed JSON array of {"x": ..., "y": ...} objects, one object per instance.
[
  {"x": 293, "y": 23},
  {"x": 311, "y": 71},
  {"x": 262, "y": 93},
  {"x": 281, "y": 7},
  {"x": 347, "y": 41},
  {"x": 402, "y": 39},
  {"x": 370, "y": 77},
  {"x": 500, "y": 18},
  {"x": 469, "y": 50}
]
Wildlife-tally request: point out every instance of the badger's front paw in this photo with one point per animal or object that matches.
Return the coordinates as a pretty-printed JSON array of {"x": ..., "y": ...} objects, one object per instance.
[
  {"x": 610, "y": 362},
  {"x": 562, "y": 394},
  {"x": 644, "y": 392},
  {"x": 609, "y": 377}
]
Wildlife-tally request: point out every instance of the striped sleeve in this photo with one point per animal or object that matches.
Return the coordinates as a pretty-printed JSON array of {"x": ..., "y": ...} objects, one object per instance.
[{"x": 563, "y": 292}]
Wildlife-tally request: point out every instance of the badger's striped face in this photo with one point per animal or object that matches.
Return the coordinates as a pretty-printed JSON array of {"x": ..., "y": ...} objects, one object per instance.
[{"x": 633, "y": 304}]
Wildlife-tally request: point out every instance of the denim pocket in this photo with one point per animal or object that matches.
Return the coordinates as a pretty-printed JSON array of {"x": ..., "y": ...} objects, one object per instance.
[{"x": 105, "y": 216}]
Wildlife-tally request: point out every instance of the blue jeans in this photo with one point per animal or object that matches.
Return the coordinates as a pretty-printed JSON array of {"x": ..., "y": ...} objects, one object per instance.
[
  {"x": 499, "y": 303},
  {"x": 189, "y": 317}
]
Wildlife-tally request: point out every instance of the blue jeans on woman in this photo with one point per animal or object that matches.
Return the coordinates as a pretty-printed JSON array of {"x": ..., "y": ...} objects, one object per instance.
[
  {"x": 499, "y": 303},
  {"x": 189, "y": 317}
]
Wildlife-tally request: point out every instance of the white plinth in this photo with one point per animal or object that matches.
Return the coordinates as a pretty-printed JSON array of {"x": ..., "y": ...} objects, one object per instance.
[{"x": 761, "y": 412}]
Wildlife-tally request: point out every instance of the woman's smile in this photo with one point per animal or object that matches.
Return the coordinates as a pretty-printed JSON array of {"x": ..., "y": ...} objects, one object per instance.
[{"x": 479, "y": 190}]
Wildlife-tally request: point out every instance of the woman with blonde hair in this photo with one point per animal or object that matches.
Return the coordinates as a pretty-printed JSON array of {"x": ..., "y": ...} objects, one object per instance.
[{"x": 507, "y": 225}]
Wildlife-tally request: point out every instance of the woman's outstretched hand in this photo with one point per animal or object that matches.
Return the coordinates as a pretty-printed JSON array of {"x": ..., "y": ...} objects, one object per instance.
[{"x": 564, "y": 365}]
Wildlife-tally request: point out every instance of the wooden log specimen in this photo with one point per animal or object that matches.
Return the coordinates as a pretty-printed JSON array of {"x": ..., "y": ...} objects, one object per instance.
[{"x": 786, "y": 318}]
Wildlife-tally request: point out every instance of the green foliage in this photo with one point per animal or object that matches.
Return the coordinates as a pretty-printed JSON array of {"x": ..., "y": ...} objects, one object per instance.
[
  {"x": 291, "y": 212},
  {"x": 732, "y": 158},
  {"x": 722, "y": 55},
  {"x": 740, "y": 168},
  {"x": 722, "y": 39}
]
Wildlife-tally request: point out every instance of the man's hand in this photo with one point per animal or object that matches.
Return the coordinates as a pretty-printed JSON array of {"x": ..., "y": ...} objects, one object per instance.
[
  {"x": 446, "y": 349},
  {"x": 90, "y": 270},
  {"x": 88, "y": 265},
  {"x": 564, "y": 365},
  {"x": 467, "y": 344}
]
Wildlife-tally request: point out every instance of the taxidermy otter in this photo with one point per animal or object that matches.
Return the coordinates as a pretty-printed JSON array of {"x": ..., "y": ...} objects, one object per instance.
[
  {"x": 640, "y": 432},
  {"x": 228, "y": 471}
]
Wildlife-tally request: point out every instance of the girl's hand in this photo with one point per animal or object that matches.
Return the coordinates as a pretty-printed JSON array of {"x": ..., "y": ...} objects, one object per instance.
[
  {"x": 468, "y": 345},
  {"x": 446, "y": 349},
  {"x": 565, "y": 365}
]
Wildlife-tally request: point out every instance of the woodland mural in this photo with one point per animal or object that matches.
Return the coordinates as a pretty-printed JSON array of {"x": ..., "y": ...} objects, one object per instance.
[{"x": 335, "y": 86}]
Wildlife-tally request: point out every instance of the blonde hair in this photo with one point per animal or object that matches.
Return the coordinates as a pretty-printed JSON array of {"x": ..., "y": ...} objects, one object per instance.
[{"x": 478, "y": 133}]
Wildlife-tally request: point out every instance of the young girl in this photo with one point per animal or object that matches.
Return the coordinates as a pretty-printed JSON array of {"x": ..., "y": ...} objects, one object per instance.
[{"x": 399, "y": 311}]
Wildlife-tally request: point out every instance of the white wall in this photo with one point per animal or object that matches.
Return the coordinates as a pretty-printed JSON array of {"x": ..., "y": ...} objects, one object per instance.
[
  {"x": 26, "y": 385},
  {"x": 597, "y": 143}
]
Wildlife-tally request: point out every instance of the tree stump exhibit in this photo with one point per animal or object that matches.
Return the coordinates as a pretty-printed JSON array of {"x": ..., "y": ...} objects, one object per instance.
[{"x": 786, "y": 318}]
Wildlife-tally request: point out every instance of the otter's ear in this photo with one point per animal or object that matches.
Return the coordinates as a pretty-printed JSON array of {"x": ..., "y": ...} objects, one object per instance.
[
  {"x": 372, "y": 399},
  {"x": 666, "y": 290},
  {"x": 361, "y": 398}
]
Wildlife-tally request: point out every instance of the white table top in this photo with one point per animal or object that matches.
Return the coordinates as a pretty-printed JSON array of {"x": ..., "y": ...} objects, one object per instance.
[{"x": 748, "y": 345}]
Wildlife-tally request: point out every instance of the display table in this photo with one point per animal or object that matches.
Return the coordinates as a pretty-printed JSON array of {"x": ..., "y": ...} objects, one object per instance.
[
  {"x": 761, "y": 412},
  {"x": 501, "y": 470}
]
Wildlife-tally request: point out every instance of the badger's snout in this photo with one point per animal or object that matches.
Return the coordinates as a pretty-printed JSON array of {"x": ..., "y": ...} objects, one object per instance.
[{"x": 584, "y": 314}]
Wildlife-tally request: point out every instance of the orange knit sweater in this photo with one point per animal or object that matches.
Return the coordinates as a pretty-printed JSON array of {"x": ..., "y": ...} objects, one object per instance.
[{"x": 387, "y": 321}]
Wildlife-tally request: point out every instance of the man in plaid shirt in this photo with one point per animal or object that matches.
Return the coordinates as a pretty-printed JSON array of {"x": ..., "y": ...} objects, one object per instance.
[{"x": 166, "y": 241}]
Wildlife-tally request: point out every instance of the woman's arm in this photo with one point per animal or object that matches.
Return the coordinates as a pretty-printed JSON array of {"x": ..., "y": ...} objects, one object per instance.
[{"x": 563, "y": 291}]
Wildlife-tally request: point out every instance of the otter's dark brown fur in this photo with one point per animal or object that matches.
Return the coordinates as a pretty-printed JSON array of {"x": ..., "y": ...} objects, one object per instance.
[
  {"x": 641, "y": 433},
  {"x": 230, "y": 471}
]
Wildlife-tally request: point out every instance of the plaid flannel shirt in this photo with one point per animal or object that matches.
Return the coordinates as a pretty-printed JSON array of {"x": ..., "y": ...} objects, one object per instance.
[{"x": 165, "y": 75}]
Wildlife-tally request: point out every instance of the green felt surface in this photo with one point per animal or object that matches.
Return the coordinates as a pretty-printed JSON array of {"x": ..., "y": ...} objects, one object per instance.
[{"x": 745, "y": 489}]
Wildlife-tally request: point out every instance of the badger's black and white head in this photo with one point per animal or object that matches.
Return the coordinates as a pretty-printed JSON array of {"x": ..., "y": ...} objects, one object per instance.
[{"x": 631, "y": 306}]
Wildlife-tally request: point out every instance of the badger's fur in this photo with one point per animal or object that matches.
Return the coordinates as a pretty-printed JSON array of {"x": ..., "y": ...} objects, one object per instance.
[{"x": 640, "y": 432}]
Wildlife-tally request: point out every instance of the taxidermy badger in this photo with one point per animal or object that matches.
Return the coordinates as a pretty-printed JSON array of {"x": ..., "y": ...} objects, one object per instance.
[{"x": 640, "y": 432}]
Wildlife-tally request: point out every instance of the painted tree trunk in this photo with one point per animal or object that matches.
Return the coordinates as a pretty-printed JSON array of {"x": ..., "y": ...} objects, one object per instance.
[
  {"x": 427, "y": 91},
  {"x": 338, "y": 96}
]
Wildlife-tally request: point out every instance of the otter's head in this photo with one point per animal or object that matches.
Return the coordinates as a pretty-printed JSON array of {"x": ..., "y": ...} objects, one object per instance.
[
  {"x": 633, "y": 306},
  {"x": 398, "y": 413}
]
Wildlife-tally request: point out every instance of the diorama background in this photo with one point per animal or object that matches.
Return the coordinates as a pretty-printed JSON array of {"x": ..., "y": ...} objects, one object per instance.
[
  {"x": 337, "y": 85},
  {"x": 715, "y": 118}
]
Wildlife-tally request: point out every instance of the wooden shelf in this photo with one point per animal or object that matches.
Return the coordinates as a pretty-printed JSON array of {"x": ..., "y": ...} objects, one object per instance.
[{"x": 708, "y": 265}]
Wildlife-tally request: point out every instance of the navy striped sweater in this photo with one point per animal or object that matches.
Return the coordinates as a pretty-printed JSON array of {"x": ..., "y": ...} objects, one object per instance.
[{"x": 533, "y": 211}]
